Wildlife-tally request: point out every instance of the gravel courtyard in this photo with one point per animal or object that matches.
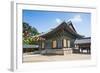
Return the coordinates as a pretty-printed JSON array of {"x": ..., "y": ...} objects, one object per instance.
[{"x": 46, "y": 58}]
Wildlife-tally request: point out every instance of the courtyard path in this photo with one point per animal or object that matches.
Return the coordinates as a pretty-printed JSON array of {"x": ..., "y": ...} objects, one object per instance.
[{"x": 47, "y": 58}]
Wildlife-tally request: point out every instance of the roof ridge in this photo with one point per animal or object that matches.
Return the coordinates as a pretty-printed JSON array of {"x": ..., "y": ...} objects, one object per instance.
[{"x": 65, "y": 25}]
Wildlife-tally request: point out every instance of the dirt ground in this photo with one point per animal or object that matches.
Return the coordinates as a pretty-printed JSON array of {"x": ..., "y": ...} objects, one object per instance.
[{"x": 47, "y": 58}]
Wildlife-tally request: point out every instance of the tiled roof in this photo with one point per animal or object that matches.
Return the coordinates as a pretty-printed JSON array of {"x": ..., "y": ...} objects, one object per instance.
[
  {"x": 66, "y": 26},
  {"x": 83, "y": 41},
  {"x": 30, "y": 46}
]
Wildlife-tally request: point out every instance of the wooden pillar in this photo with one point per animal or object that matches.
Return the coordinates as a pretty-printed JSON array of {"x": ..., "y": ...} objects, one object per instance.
[
  {"x": 80, "y": 50},
  {"x": 40, "y": 45}
]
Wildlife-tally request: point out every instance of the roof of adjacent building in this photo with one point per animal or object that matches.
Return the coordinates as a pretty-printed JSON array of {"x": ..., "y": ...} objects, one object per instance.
[
  {"x": 83, "y": 40},
  {"x": 30, "y": 46},
  {"x": 67, "y": 26}
]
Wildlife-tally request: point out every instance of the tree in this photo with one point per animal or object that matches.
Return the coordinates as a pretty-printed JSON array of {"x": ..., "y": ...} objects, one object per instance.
[{"x": 28, "y": 32}]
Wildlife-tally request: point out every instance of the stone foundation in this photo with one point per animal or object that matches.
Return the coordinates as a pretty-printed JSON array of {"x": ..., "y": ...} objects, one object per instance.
[
  {"x": 63, "y": 51},
  {"x": 67, "y": 51}
]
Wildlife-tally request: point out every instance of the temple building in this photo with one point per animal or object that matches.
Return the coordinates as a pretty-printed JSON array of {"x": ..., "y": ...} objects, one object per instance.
[{"x": 59, "y": 40}]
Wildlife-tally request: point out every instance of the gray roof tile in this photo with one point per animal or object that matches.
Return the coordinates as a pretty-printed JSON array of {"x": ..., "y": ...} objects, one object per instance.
[
  {"x": 82, "y": 41},
  {"x": 30, "y": 46}
]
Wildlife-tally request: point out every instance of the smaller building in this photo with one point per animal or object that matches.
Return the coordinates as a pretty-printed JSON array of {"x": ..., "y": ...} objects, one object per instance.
[
  {"x": 30, "y": 48},
  {"x": 82, "y": 45}
]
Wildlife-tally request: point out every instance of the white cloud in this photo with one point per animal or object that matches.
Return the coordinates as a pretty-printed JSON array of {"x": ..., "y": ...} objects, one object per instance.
[
  {"x": 76, "y": 18},
  {"x": 58, "y": 20}
]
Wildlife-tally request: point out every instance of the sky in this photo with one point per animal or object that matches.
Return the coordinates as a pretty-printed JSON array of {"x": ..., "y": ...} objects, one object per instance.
[{"x": 43, "y": 21}]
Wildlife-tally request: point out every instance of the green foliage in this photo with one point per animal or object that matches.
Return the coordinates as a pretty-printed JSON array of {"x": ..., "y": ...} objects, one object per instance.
[
  {"x": 28, "y": 32},
  {"x": 29, "y": 40}
]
